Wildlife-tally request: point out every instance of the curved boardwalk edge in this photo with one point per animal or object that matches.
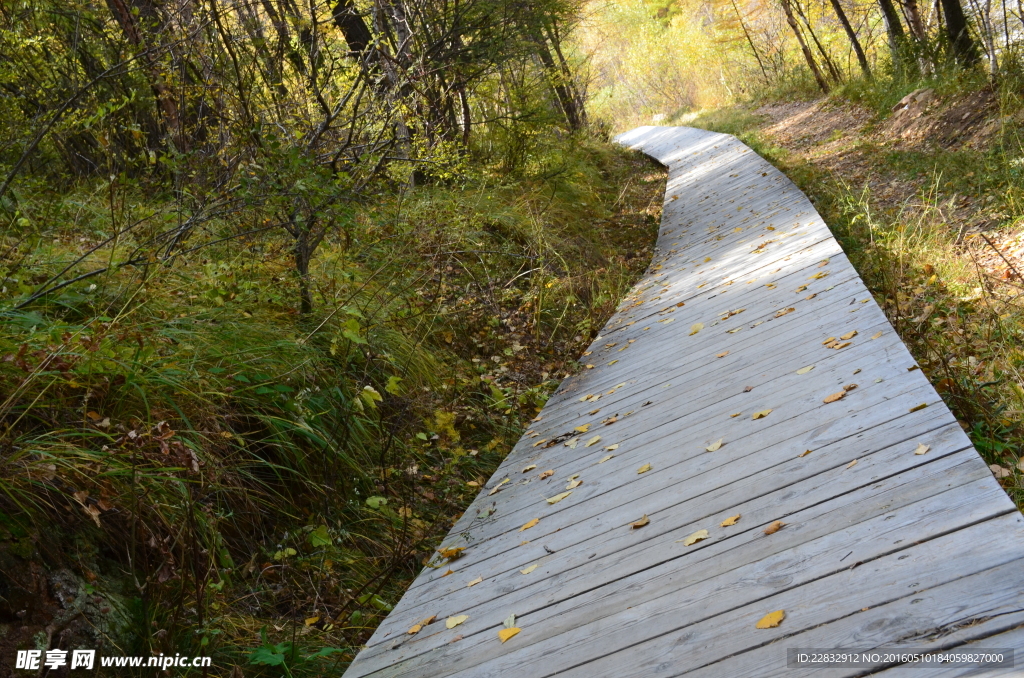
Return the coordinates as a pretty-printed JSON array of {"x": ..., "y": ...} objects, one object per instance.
[{"x": 749, "y": 435}]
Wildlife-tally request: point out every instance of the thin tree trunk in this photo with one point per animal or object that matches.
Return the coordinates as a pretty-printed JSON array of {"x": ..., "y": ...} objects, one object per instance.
[
  {"x": 852, "y": 35},
  {"x": 914, "y": 22},
  {"x": 750, "y": 41},
  {"x": 791, "y": 20},
  {"x": 837, "y": 75}
]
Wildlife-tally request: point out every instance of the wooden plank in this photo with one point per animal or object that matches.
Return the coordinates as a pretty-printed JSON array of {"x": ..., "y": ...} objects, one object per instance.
[
  {"x": 607, "y": 599},
  {"x": 636, "y": 581}
]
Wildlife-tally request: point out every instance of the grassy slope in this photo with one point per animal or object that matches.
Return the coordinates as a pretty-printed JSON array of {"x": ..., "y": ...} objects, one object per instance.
[{"x": 185, "y": 460}]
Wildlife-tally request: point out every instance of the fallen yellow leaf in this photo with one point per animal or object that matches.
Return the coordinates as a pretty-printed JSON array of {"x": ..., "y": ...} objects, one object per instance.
[
  {"x": 805, "y": 370},
  {"x": 612, "y": 448},
  {"x": 921, "y": 448},
  {"x": 695, "y": 328},
  {"x": 593, "y": 441},
  {"x": 852, "y": 464},
  {"x": 605, "y": 458},
  {"x": 529, "y": 569},
  {"x": 505, "y": 634},
  {"x": 644, "y": 469},
  {"x": 731, "y": 520},
  {"x": 835, "y": 396},
  {"x": 877, "y": 334},
  {"x": 582, "y": 429},
  {"x": 828, "y": 341},
  {"x": 312, "y": 620},
  {"x": 529, "y": 468},
  {"x": 915, "y": 408},
  {"x": 849, "y": 335},
  {"x": 545, "y": 474},
  {"x": 559, "y": 497},
  {"x": 529, "y": 524},
  {"x": 774, "y": 527},
  {"x": 452, "y": 622},
  {"x": 573, "y": 484},
  {"x": 771, "y": 620},
  {"x": 715, "y": 445},
  {"x": 498, "y": 487},
  {"x": 722, "y": 354},
  {"x": 804, "y": 453},
  {"x": 699, "y": 535},
  {"x": 451, "y": 553},
  {"x": 474, "y": 582},
  {"x": 761, "y": 415},
  {"x": 640, "y": 523}
]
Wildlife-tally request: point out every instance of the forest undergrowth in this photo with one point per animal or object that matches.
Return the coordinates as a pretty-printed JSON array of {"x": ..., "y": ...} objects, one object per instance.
[{"x": 191, "y": 465}]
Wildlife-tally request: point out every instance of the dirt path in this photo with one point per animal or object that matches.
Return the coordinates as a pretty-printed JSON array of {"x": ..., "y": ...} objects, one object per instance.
[{"x": 849, "y": 143}]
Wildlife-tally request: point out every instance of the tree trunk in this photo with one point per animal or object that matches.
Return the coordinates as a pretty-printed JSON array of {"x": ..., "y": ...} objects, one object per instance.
[
  {"x": 914, "y": 21},
  {"x": 837, "y": 75},
  {"x": 791, "y": 20},
  {"x": 353, "y": 28},
  {"x": 750, "y": 41},
  {"x": 897, "y": 38},
  {"x": 852, "y": 35},
  {"x": 964, "y": 49}
]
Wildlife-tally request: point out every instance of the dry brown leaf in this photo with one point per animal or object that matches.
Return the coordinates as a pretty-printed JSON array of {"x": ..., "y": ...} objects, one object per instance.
[
  {"x": 644, "y": 469},
  {"x": 715, "y": 445},
  {"x": 640, "y": 523},
  {"x": 452, "y": 622},
  {"x": 921, "y": 448},
  {"x": 774, "y": 527},
  {"x": 771, "y": 620},
  {"x": 505, "y": 634},
  {"x": 558, "y": 497},
  {"x": 448, "y": 573},
  {"x": 529, "y": 524},
  {"x": 999, "y": 471},
  {"x": 731, "y": 520},
  {"x": 546, "y": 474},
  {"x": 835, "y": 396},
  {"x": 699, "y": 535}
]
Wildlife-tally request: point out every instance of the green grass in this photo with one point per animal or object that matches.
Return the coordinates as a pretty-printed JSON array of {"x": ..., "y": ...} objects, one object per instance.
[{"x": 178, "y": 442}]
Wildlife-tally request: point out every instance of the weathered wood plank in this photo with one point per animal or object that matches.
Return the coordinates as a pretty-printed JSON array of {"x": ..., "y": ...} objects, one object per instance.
[{"x": 606, "y": 599}]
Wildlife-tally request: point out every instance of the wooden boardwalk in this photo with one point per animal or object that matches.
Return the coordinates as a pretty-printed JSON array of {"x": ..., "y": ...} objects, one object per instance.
[{"x": 716, "y": 392}]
